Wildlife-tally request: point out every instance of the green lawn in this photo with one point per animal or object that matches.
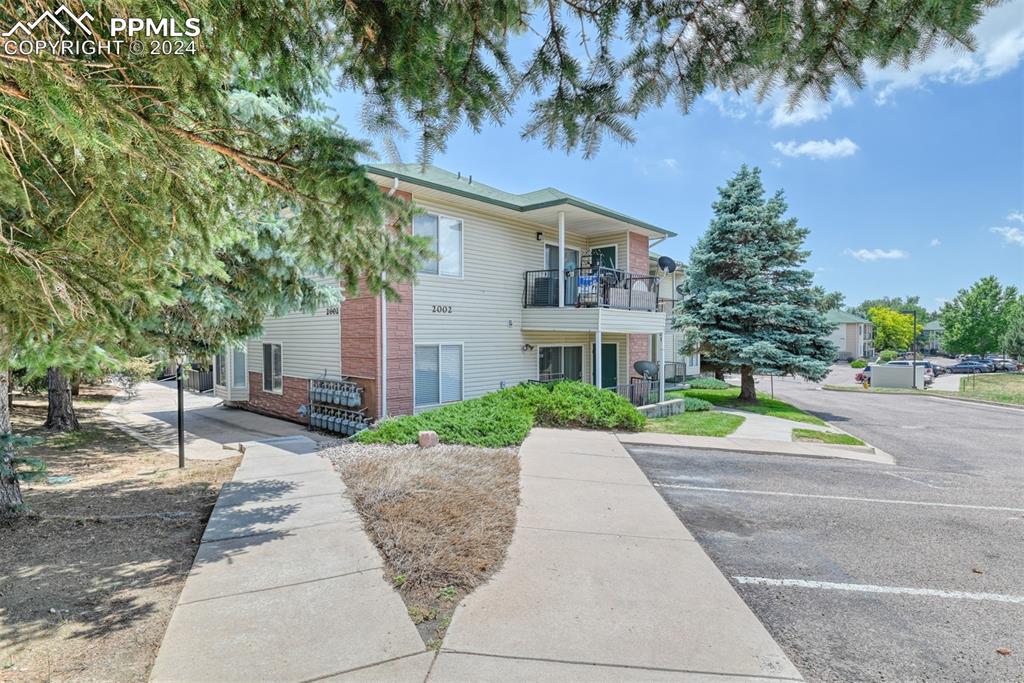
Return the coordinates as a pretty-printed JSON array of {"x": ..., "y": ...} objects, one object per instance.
[
  {"x": 1005, "y": 388},
  {"x": 696, "y": 423},
  {"x": 826, "y": 437},
  {"x": 729, "y": 398}
]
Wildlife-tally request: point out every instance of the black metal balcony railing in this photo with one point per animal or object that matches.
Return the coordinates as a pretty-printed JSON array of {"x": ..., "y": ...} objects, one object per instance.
[
  {"x": 591, "y": 288},
  {"x": 639, "y": 391}
]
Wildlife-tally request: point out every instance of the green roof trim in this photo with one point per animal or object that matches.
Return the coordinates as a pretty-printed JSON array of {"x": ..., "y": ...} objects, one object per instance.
[
  {"x": 837, "y": 317},
  {"x": 934, "y": 326},
  {"x": 445, "y": 181}
]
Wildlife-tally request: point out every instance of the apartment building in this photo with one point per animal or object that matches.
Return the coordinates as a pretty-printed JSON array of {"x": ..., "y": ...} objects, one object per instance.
[
  {"x": 525, "y": 287},
  {"x": 852, "y": 335}
]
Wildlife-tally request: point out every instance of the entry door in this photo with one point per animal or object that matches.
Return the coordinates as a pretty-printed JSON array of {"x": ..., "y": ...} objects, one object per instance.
[
  {"x": 603, "y": 256},
  {"x": 572, "y": 257},
  {"x": 609, "y": 364}
]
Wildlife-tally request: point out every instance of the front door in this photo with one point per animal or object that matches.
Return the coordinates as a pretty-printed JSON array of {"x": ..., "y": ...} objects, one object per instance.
[
  {"x": 609, "y": 364},
  {"x": 603, "y": 257}
]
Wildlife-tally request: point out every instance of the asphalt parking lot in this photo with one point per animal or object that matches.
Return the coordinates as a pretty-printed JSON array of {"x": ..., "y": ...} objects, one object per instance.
[{"x": 864, "y": 572}]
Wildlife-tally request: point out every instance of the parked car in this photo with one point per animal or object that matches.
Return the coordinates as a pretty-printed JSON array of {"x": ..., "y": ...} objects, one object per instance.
[{"x": 970, "y": 367}]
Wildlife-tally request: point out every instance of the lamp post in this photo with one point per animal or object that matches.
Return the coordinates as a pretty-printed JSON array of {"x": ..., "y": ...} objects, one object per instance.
[
  {"x": 180, "y": 377},
  {"x": 913, "y": 347}
]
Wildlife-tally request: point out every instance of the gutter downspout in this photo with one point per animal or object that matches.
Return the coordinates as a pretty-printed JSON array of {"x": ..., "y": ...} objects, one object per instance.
[{"x": 383, "y": 410}]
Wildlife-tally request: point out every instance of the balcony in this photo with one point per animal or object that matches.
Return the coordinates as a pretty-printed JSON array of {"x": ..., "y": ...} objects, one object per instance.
[{"x": 591, "y": 288}]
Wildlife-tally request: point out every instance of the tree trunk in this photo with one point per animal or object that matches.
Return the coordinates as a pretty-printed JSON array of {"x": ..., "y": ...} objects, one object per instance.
[
  {"x": 76, "y": 384},
  {"x": 747, "y": 390},
  {"x": 10, "y": 492},
  {"x": 60, "y": 412},
  {"x": 720, "y": 374}
]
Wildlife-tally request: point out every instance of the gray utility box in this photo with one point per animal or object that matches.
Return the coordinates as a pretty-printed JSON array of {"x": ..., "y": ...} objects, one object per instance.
[{"x": 896, "y": 376}]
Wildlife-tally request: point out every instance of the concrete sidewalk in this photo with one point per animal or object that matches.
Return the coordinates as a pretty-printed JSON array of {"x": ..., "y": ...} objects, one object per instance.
[
  {"x": 286, "y": 585},
  {"x": 212, "y": 430},
  {"x": 767, "y": 427},
  {"x": 603, "y": 582}
]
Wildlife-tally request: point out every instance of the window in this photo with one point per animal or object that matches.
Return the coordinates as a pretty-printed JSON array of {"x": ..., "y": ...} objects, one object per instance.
[
  {"x": 219, "y": 368},
  {"x": 438, "y": 374},
  {"x": 445, "y": 235},
  {"x": 272, "y": 380},
  {"x": 560, "y": 362},
  {"x": 239, "y": 371}
]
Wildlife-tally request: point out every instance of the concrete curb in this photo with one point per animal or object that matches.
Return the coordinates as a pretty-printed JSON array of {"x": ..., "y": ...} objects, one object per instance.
[
  {"x": 942, "y": 397},
  {"x": 803, "y": 449}
]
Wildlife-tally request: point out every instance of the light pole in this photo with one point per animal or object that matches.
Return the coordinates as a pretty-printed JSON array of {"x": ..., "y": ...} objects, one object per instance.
[
  {"x": 180, "y": 376},
  {"x": 913, "y": 347}
]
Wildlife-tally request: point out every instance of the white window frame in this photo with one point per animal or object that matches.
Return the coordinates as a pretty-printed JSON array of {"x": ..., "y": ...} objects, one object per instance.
[
  {"x": 462, "y": 246},
  {"x": 462, "y": 374},
  {"x": 583, "y": 357},
  {"x": 245, "y": 367},
  {"x": 263, "y": 367},
  {"x": 613, "y": 245},
  {"x": 568, "y": 247},
  {"x": 218, "y": 369}
]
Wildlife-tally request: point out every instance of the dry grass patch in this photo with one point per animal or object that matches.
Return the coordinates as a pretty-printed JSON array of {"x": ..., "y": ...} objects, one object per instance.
[
  {"x": 442, "y": 519},
  {"x": 89, "y": 578}
]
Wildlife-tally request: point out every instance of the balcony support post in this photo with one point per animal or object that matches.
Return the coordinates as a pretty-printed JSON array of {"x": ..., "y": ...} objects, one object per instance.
[
  {"x": 661, "y": 367},
  {"x": 597, "y": 358},
  {"x": 561, "y": 259}
]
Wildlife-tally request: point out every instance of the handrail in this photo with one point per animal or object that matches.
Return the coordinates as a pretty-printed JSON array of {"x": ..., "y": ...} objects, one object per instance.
[{"x": 591, "y": 288}]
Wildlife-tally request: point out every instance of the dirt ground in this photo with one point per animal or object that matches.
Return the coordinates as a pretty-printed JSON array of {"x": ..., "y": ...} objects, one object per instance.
[
  {"x": 88, "y": 579},
  {"x": 442, "y": 519}
]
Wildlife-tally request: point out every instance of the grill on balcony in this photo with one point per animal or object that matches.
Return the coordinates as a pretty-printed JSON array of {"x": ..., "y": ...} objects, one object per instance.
[{"x": 593, "y": 287}]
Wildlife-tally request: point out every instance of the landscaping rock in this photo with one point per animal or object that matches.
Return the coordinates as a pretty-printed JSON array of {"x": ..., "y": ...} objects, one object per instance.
[{"x": 427, "y": 439}]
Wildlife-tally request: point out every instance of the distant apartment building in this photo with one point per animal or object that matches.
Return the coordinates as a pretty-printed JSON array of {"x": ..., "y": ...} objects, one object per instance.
[
  {"x": 852, "y": 335},
  {"x": 932, "y": 336},
  {"x": 524, "y": 287}
]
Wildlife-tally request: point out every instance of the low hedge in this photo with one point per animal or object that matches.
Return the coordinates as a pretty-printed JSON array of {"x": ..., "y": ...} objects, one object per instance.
[
  {"x": 859, "y": 363},
  {"x": 696, "y": 404},
  {"x": 504, "y": 417},
  {"x": 707, "y": 383}
]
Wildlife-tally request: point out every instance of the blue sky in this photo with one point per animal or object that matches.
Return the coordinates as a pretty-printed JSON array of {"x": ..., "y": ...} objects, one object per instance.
[{"x": 913, "y": 185}]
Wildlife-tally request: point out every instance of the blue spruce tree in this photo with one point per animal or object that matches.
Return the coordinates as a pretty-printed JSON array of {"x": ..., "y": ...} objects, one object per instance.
[{"x": 748, "y": 305}]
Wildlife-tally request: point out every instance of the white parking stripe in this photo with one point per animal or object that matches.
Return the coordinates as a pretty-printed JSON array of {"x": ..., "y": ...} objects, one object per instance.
[
  {"x": 787, "y": 494},
  {"x": 867, "y": 588}
]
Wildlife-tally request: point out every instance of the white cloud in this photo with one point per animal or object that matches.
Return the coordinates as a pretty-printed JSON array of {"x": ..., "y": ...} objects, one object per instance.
[
  {"x": 1010, "y": 235},
  {"x": 1000, "y": 47},
  {"x": 936, "y": 243},
  {"x": 811, "y": 109},
  {"x": 877, "y": 254},
  {"x": 1016, "y": 216},
  {"x": 729, "y": 104},
  {"x": 818, "y": 149},
  {"x": 670, "y": 164}
]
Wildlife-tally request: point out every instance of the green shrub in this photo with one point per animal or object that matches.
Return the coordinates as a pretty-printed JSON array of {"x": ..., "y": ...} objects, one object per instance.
[
  {"x": 886, "y": 356},
  {"x": 504, "y": 417},
  {"x": 707, "y": 383},
  {"x": 859, "y": 363},
  {"x": 696, "y": 404}
]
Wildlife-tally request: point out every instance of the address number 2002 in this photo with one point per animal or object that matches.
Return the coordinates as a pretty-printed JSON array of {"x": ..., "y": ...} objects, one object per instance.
[{"x": 440, "y": 309}]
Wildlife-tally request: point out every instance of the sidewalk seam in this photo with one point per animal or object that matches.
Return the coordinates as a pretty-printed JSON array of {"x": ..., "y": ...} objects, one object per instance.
[
  {"x": 360, "y": 668},
  {"x": 606, "y": 533},
  {"x": 619, "y": 666},
  {"x": 284, "y": 585}
]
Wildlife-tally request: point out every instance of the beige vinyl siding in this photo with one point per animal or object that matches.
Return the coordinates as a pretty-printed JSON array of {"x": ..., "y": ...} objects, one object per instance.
[
  {"x": 487, "y": 301},
  {"x": 310, "y": 343}
]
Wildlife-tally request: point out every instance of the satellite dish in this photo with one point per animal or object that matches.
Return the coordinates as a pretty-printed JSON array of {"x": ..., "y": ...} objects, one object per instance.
[
  {"x": 648, "y": 369},
  {"x": 667, "y": 264}
]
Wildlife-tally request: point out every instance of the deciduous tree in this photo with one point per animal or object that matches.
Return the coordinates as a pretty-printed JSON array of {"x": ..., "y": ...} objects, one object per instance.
[
  {"x": 978, "y": 317},
  {"x": 893, "y": 330}
]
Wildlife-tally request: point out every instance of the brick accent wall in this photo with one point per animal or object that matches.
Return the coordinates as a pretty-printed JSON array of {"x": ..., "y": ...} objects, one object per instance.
[
  {"x": 639, "y": 344},
  {"x": 638, "y": 253},
  {"x": 361, "y": 345},
  {"x": 639, "y": 349},
  {"x": 400, "y": 353},
  {"x": 284, "y": 405}
]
